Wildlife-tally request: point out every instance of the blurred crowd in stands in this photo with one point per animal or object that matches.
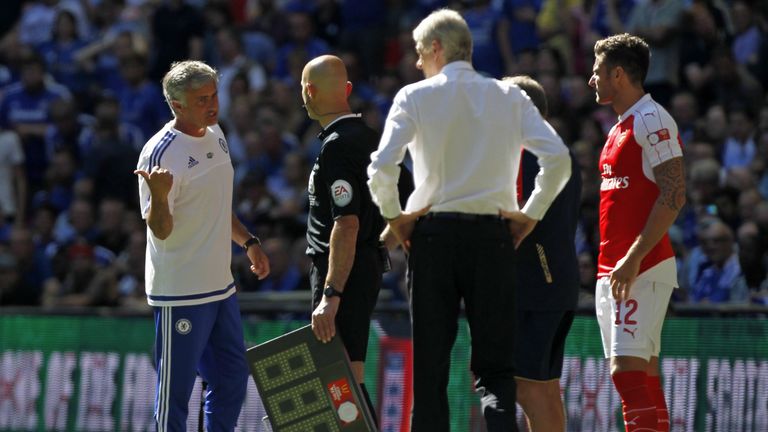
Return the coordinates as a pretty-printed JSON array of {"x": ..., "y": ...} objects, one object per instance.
[{"x": 80, "y": 94}]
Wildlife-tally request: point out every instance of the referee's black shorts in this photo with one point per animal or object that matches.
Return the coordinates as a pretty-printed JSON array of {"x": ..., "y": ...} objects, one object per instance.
[
  {"x": 353, "y": 320},
  {"x": 540, "y": 340}
]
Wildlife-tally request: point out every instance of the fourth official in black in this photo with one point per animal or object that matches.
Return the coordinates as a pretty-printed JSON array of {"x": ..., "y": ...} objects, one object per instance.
[
  {"x": 547, "y": 289},
  {"x": 344, "y": 224}
]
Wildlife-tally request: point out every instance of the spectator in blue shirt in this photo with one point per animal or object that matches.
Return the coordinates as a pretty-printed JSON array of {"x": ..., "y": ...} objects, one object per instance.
[
  {"x": 739, "y": 149},
  {"x": 59, "y": 53},
  {"x": 234, "y": 63},
  {"x": 284, "y": 275},
  {"x": 363, "y": 32},
  {"x": 748, "y": 36},
  {"x": 177, "y": 34},
  {"x": 61, "y": 176},
  {"x": 112, "y": 151},
  {"x": 517, "y": 30},
  {"x": 33, "y": 266},
  {"x": 609, "y": 17},
  {"x": 712, "y": 273},
  {"x": 65, "y": 132},
  {"x": 25, "y": 109},
  {"x": 141, "y": 101},
  {"x": 483, "y": 22},
  {"x": 274, "y": 143},
  {"x": 302, "y": 46}
]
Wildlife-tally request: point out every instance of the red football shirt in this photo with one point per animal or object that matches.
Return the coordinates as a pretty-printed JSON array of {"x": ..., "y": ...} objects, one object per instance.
[{"x": 644, "y": 137}]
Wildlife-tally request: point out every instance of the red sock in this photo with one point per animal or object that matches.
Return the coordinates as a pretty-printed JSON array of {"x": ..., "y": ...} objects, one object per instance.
[
  {"x": 657, "y": 395},
  {"x": 636, "y": 402}
]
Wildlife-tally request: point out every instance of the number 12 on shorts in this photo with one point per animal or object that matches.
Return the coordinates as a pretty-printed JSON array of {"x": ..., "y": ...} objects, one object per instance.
[{"x": 630, "y": 306}]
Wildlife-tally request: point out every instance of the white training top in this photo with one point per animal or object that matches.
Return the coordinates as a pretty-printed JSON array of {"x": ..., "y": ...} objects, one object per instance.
[
  {"x": 192, "y": 265},
  {"x": 465, "y": 133}
]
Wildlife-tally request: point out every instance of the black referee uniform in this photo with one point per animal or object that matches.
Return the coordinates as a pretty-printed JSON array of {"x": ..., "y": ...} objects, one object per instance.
[
  {"x": 547, "y": 280},
  {"x": 337, "y": 187}
]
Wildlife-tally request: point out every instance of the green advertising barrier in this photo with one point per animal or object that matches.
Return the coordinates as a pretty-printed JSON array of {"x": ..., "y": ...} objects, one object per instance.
[{"x": 90, "y": 373}]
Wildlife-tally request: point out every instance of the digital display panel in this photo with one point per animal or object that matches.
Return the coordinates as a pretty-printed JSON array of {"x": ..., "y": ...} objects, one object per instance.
[{"x": 307, "y": 385}]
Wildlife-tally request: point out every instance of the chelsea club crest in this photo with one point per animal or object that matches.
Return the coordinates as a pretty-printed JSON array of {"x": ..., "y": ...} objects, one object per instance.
[{"x": 183, "y": 326}]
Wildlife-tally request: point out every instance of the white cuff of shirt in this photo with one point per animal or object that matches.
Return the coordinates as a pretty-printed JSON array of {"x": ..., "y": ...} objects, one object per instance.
[
  {"x": 390, "y": 211},
  {"x": 534, "y": 210}
]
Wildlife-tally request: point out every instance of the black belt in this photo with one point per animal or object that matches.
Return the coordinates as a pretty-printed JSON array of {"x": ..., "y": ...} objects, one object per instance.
[{"x": 467, "y": 217}]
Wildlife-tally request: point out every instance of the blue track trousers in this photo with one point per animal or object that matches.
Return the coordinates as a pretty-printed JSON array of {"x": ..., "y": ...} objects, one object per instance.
[{"x": 204, "y": 339}]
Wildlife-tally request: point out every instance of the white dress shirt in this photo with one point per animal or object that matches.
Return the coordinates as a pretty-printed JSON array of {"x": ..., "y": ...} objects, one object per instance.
[{"x": 465, "y": 132}]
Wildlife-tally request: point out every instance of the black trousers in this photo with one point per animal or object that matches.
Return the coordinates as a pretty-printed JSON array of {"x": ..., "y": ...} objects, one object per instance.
[
  {"x": 454, "y": 259},
  {"x": 353, "y": 320}
]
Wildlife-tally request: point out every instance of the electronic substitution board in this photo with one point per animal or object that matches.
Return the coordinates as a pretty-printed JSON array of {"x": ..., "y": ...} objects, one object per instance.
[{"x": 308, "y": 386}]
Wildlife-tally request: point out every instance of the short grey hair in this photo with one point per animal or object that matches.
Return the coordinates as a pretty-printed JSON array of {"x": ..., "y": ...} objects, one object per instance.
[
  {"x": 184, "y": 76},
  {"x": 449, "y": 28}
]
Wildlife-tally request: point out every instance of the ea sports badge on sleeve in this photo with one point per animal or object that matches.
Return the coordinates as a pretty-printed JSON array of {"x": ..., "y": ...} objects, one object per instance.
[{"x": 307, "y": 385}]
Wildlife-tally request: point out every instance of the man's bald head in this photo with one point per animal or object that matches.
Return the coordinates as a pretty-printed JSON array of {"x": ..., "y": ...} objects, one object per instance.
[
  {"x": 327, "y": 73},
  {"x": 325, "y": 88}
]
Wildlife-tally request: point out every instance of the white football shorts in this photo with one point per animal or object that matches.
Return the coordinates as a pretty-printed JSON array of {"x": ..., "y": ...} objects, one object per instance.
[{"x": 633, "y": 327}]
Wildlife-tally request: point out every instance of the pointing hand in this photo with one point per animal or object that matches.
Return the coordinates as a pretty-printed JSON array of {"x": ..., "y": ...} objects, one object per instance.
[{"x": 159, "y": 181}]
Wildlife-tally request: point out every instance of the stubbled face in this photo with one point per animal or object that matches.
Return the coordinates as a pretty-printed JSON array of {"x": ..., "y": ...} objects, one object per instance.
[
  {"x": 201, "y": 108},
  {"x": 600, "y": 81}
]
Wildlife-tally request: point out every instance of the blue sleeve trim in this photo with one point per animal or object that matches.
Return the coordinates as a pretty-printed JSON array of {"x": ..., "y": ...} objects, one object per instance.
[
  {"x": 157, "y": 153},
  {"x": 192, "y": 296}
]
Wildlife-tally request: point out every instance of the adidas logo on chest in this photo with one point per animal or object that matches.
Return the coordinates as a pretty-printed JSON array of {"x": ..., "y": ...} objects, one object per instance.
[{"x": 192, "y": 162}]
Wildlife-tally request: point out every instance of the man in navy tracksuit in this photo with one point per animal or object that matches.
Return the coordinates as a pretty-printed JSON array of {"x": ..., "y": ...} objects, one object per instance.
[{"x": 547, "y": 290}]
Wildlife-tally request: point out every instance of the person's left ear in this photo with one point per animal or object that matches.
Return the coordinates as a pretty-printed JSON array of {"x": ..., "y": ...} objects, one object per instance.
[
  {"x": 176, "y": 106},
  {"x": 618, "y": 71},
  {"x": 348, "y": 88},
  {"x": 436, "y": 47}
]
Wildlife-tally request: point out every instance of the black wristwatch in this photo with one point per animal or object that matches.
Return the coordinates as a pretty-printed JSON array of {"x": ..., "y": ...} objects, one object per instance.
[
  {"x": 250, "y": 242},
  {"x": 330, "y": 291}
]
